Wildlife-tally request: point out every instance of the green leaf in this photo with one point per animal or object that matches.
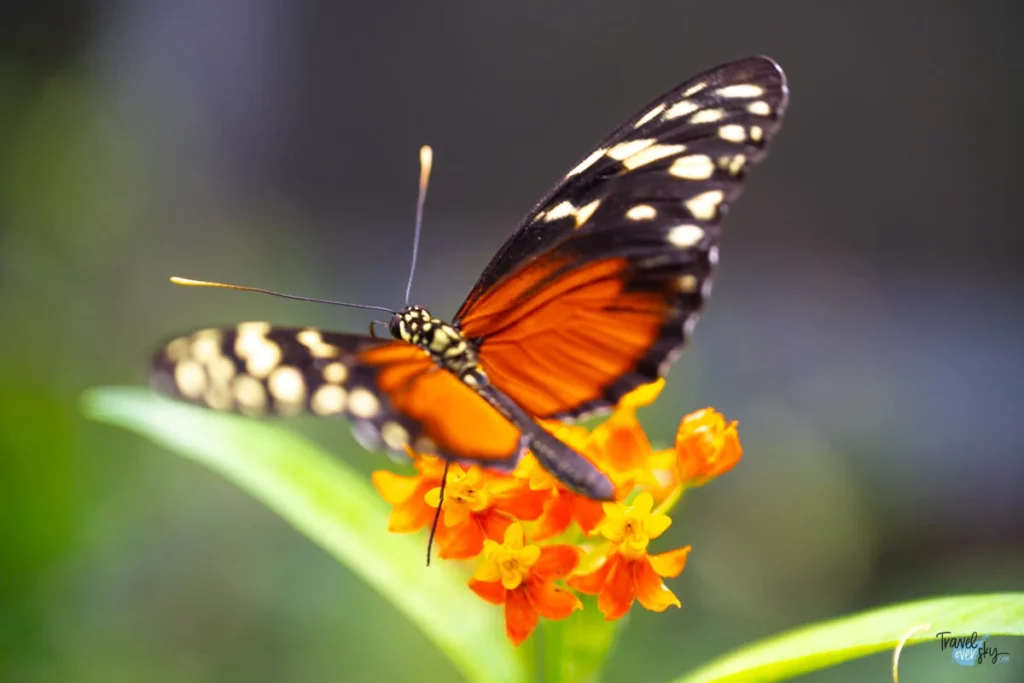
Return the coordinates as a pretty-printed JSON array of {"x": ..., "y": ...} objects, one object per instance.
[
  {"x": 575, "y": 650},
  {"x": 829, "y": 643},
  {"x": 334, "y": 506}
]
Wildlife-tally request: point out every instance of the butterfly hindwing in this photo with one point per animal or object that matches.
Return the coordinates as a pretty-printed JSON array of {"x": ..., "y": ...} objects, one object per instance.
[{"x": 393, "y": 392}]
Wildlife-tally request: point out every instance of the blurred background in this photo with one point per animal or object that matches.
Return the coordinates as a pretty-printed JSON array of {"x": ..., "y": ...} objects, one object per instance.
[{"x": 865, "y": 328}]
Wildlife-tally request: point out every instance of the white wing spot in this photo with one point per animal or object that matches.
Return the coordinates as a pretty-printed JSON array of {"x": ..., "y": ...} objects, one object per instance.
[
  {"x": 627, "y": 149},
  {"x": 314, "y": 341},
  {"x": 756, "y": 133},
  {"x": 563, "y": 210},
  {"x": 335, "y": 373},
  {"x": 586, "y": 163},
  {"x": 685, "y": 235},
  {"x": 713, "y": 255},
  {"x": 652, "y": 153},
  {"x": 177, "y": 350},
  {"x": 219, "y": 397},
  {"x": 329, "y": 399},
  {"x": 262, "y": 357},
  {"x": 394, "y": 435},
  {"x": 681, "y": 108},
  {"x": 695, "y": 88},
  {"x": 704, "y": 206},
  {"x": 759, "y": 108},
  {"x": 362, "y": 403},
  {"x": 733, "y": 132},
  {"x": 287, "y": 385},
  {"x": 687, "y": 283},
  {"x": 737, "y": 164},
  {"x": 741, "y": 90},
  {"x": 206, "y": 346},
  {"x": 221, "y": 370},
  {"x": 708, "y": 116},
  {"x": 641, "y": 212},
  {"x": 190, "y": 378},
  {"x": 584, "y": 213},
  {"x": 693, "y": 167},
  {"x": 249, "y": 393},
  {"x": 650, "y": 115}
]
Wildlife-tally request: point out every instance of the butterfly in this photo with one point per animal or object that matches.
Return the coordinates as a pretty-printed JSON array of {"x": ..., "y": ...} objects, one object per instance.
[{"x": 595, "y": 293}]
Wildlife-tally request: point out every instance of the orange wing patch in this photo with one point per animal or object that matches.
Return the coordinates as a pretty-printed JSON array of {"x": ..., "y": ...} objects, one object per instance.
[
  {"x": 459, "y": 423},
  {"x": 553, "y": 345}
]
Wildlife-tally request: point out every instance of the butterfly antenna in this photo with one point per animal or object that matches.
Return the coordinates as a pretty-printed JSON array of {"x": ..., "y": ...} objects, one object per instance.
[
  {"x": 437, "y": 514},
  {"x": 426, "y": 161},
  {"x": 185, "y": 282}
]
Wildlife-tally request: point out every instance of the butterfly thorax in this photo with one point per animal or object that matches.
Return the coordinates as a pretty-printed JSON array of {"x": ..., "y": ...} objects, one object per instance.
[{"x": 445, "y": 344}]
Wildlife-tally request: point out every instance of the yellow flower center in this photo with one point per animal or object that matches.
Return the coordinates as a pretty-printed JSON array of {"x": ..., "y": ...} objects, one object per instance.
[
  {"x": 632, "y": 527},
  {"x": 466, "y": 490},
  {"x": 509, "y": 562}
]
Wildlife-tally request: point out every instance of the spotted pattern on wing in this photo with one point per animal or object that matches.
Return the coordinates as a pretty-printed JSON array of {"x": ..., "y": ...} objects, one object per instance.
[
  {"x": 700, "y": 136},
  {"x": 260, "y": 370},
  {"x": 655, "y": 191}
]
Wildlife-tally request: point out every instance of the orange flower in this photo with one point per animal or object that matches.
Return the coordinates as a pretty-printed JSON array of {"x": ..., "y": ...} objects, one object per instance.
[
  {"x": 706, "y": 446},
  {"x": 478, "y": 505},
  {"x": 621, "y": 571},
  {"x": 521, "y": 577},
  {"x": 410, "y": 513},
  {"x": 560, "y": 505},
  {"x": 492, "y": 512}
]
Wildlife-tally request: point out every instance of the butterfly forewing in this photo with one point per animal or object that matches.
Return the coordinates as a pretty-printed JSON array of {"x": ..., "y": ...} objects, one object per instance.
[
  {"x": 687, "y": 151},
  {"x": 628, "y": 240}
]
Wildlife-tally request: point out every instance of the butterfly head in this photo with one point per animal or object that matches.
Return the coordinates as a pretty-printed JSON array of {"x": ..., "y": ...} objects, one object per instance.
[{"x": 410, "y": 324}]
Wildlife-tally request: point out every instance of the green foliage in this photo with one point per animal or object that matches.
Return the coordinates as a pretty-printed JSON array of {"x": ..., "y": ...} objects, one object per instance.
[
  {"x": 338, "y": 509},
  {"x": 826, "y": 644}
]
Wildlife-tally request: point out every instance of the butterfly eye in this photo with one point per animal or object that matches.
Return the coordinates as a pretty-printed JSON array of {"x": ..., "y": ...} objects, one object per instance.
[{"x": 394, "y": 327}]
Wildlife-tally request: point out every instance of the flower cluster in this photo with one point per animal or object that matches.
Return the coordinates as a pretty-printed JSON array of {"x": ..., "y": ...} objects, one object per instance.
[{"x": 528, "y": 533}]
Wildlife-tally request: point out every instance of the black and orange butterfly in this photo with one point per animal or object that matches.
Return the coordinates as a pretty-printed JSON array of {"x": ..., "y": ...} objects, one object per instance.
[{"x": 593, "y": 295}]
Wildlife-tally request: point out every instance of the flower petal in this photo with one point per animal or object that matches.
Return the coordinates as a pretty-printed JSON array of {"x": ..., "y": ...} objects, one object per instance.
[
  {"x": 460, "y": 542},
  {"x": 523, "y": 502},
  {"x": 394, "y": 488},
  {"x": 556, "y": 518},
  {"x": 643, "y": 395},
  {"x": 551, "y": 601},
  {"x": 410, "y": 516},
  {"x": 487, "y": 571},
  {"x": 520, "y": 616},
  {"x": 651, "y": 591},
  {"x": 514, "y": 538},
  {"x": 494, "y": 524},
  {"x": 643, "y": 504},
  {"x": 670, "y": 563},
  {"x": 588, "y": 513},
  {"x": 492, "y": 592},
  {"x": 619, "y": 590},
  {"x": 657, "y": 524},
  {"x": 556, "y": 561},
  {"x": 593, "y": 581}
]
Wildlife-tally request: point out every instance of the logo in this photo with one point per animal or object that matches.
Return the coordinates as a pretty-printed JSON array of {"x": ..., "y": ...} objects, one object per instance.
[{"x": 971, "y": 650}]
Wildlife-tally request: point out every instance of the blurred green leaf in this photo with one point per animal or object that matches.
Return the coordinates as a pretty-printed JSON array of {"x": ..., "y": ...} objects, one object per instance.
[
  {"x": 822, "y": 645},
  {"x": 575, "y": 650},
  {"x": 335, "y": 507}
]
